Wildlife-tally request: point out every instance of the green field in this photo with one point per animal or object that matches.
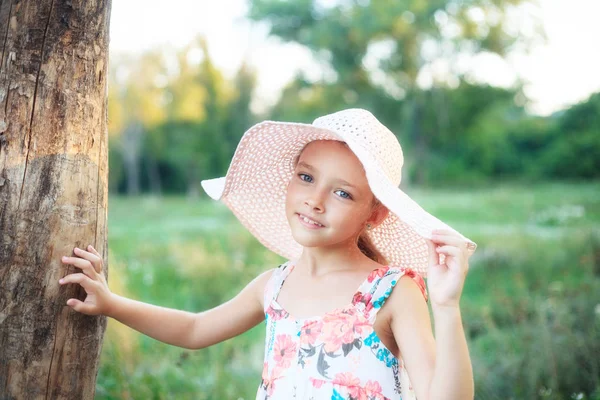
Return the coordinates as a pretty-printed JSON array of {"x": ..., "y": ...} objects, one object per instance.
[{"x": 531, "y": 303}]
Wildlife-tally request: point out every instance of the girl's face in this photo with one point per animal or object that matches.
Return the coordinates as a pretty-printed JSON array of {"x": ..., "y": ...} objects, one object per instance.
[{"x": 329, "y": 187}]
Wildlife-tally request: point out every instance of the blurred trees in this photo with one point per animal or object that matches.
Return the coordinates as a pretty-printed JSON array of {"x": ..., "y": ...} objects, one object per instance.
[
  {"x": 378, "y": 51},
  {"x": 176, "y": 119},
  {"x": 572, "y": 150}
]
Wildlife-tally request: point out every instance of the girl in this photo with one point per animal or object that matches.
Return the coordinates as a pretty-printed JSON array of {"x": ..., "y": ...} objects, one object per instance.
[{"x": 346, "y": 315}]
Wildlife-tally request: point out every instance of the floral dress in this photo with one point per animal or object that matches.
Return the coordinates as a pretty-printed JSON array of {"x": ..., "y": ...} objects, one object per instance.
[{"x": 336, "y": 356}]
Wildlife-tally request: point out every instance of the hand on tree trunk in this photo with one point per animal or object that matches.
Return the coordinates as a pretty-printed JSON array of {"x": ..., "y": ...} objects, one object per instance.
[{"x": 99, "y": 298}]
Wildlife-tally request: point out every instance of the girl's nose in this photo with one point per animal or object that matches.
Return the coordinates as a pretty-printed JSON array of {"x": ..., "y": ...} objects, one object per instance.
[{"x": 315, "y": 201}]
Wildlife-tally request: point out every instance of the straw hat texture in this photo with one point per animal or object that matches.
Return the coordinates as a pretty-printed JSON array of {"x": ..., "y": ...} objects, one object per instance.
[{"x": 255, "y": 185}]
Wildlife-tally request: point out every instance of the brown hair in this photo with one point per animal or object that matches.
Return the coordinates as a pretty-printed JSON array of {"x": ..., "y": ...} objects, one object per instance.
[{"x": 364, "y": 243}]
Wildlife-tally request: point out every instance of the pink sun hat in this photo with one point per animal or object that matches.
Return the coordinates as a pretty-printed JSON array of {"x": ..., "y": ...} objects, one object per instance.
[{"x": 255, "y": 185}]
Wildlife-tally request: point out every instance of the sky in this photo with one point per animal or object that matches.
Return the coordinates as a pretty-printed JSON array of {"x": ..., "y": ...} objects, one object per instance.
[{"x": 558, "y": 73}]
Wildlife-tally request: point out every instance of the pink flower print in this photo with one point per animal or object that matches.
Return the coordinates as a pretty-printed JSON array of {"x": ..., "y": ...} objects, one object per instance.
[
  {"x": 310, "y": 333},
  {"x": 276, "y": 313},
  {"x": 269, "y": 381},
  {"x": 338, "y": 329},
  {"x": 373, "y": 390},
  {"x": 342, "y": 328},
  {"x": 316, "y": 382},
  {"x": 361, "y": 324},
  {"x": 346, "y": 379},
  {"x": 265, "y": 371},
  {"x": 378, "y": 273},
  {"x": 364, "y": 298},
  {"x": 351, "y": 383},
  {"x": 418, "y": 279},
  {"x": 284, "y": 351},
  {"x": 360, "y": 297}
]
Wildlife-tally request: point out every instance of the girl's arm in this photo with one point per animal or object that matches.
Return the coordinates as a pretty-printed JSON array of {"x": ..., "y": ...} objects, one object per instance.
[
  {"x": 179, "y": 328},
  {"x": 453, "y": 372},
  {"x": 438, "y": 368}
]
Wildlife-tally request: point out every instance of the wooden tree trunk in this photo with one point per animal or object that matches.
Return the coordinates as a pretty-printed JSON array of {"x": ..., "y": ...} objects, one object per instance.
[{"x": 53, "y": 191}]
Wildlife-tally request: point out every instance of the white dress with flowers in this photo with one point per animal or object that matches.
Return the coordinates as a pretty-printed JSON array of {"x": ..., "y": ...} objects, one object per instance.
[{"x": 335, "y": 356}]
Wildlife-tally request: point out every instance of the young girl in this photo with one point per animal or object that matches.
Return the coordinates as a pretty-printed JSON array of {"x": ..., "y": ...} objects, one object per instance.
[{"x": 346, "y": 315}]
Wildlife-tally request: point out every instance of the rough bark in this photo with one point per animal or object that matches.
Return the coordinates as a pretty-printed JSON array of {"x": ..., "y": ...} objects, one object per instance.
[{"x": 53, "y": 191}]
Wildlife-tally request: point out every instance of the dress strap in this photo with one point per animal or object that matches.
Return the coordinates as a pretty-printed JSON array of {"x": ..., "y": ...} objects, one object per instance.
[
  {"x": 378, "y": 287},
  {"x": 275, "y": 282}
]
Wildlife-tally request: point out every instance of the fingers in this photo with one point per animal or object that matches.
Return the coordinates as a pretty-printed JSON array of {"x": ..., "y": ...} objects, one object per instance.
[
  {"x": 92, "y": 288},
  {"x": 93, "y": 258},
  {"x": 82, "y": 279},
  {"x": 94, "y": 251},
  {"x": 446, "y": 237},
  {"x": 448, "y": 250},
  {"x": 454, "y": 252},
  {"x": 434, "y": 257},
  {"x": 81, "y": 307},
  {"x": 84, "y": 265}
]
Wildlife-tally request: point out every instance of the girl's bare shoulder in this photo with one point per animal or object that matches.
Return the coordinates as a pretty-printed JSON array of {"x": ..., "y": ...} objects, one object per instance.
[{"x": 259, "y": 283}]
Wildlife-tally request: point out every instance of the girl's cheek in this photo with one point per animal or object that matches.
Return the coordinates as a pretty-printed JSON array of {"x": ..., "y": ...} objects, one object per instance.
[
  {"x": 296, "y": 190},
  {"x": 291, "y": 190},
  {"x": 362, "y": 210}
]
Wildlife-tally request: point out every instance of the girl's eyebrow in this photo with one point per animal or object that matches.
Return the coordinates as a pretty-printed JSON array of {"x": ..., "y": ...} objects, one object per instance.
[
  {"x": 305, "y": 165},
  {"x": 346, "y": 183},
  {"x": 310, "y": 167}
]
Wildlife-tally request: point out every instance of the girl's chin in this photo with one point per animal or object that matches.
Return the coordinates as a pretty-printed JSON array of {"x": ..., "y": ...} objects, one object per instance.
[
  {"x": 314, "y": 239},
  {"x": 308, "y": 239}
]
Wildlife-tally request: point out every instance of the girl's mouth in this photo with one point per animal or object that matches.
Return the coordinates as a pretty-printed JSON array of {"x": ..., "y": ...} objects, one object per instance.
[{"x": 309, "y": 223}]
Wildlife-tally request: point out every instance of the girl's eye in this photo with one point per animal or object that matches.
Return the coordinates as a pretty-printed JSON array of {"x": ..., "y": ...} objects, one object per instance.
[
  {"x": 308, "y": 177},
  {"x": 344, "y": 195}
]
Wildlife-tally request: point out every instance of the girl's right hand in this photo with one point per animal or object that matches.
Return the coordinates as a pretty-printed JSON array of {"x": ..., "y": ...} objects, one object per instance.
[{"x": 99, "y": 299}]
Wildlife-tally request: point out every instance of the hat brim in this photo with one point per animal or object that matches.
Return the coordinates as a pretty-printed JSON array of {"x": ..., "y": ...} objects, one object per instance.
[{"x": 255, "y": 186}]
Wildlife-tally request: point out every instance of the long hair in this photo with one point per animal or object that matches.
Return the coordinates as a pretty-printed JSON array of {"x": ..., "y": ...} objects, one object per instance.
[{"x": 364, "y": 243}]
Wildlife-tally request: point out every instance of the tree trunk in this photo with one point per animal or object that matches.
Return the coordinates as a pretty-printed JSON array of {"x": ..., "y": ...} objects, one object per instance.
[
  {"x": 154, "y": 175},
  {"x": 419, "y": 139},
  {"x": 132, "y": 145},
  {"x": 53, "y": 191}
]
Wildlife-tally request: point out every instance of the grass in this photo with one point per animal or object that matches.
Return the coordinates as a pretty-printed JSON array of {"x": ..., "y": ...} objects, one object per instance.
[{"x": 531, "y": 302}]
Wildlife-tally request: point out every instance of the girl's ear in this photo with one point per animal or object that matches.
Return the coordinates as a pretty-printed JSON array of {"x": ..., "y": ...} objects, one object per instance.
[{"x": 379, "y": 214}]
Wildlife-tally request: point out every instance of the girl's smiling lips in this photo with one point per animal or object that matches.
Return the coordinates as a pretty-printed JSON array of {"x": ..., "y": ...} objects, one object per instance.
[{"x": 303, "y": 218}]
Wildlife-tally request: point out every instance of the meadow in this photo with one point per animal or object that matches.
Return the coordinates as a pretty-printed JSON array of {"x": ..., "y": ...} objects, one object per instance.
[{"x": 530, "y": 306}]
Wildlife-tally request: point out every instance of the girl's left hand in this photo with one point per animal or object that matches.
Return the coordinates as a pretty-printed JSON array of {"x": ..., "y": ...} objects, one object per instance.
[{"x": 446, "y": 280}]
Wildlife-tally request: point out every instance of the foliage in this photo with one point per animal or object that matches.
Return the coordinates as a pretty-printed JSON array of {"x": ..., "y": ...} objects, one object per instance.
[
  {"x": 191, "y": 118},
  {"x": 574, "y": 152},
  {"x": 377, "y": 50},
  {"x": 530, "y": 305},
  {"x": 343, "y": 32},
  {"x": 175, "y": 118}
]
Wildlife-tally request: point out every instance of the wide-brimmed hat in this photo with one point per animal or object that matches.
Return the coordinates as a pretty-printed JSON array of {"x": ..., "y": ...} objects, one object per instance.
[{"x": 263, "y": 164}]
